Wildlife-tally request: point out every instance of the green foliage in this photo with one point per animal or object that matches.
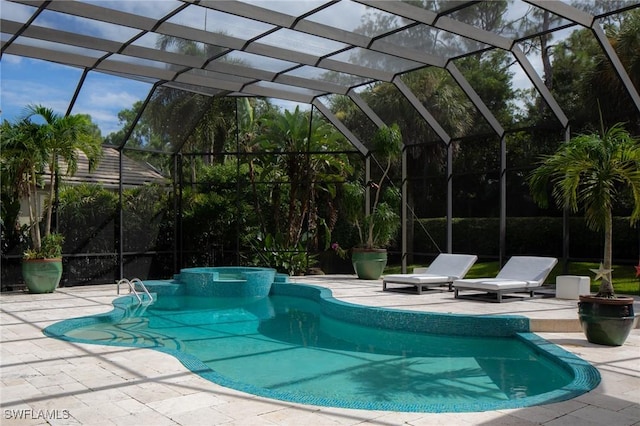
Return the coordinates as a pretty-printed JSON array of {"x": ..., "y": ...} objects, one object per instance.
[
  {"x": 39, "y": 142},
  {"x": 214, "y": 210},
  {"x": 383, "y": 221},
  {"x": 605, "y": 87},
  {"x": 145, "y": 210},
  {"x": 88, "y": 219},
  {"x": 51, "y": 248},
  {"x": 573, "y": 65},
  {"x": 587, "y": 173},
  {"x": 379, "y": 227},
  {"x": 88, "y": 215},
  {"x": 293, "y": 190},
  {"x": 86, "y": 204},
  {"x": 525, "y": 235},
  {"x": 489, "y": 76},
  {"x": 273, "y": 252},
  {"x": 581, "y": 76}
]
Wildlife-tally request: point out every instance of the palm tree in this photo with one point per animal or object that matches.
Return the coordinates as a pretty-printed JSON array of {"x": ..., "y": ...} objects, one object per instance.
[
  {"x": 21, "y": 161},
  {"x": 39, "y": 141},
  {"x": 311, "y": 178},
  {"x": 589, "y": 172}
]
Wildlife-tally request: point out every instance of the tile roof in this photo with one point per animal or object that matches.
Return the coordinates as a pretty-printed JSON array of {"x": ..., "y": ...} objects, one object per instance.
[{"x": 134, "y": 173}]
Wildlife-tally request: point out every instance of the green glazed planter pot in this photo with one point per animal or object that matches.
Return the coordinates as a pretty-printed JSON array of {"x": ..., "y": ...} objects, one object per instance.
[
  {"x": 42, "y": 275},
  {"x": 369, "y": 263},
  {"x": 606, "y": 321}
]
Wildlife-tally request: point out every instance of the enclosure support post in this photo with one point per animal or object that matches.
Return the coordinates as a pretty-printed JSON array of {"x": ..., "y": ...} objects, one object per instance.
[
  {"x": 403, "y": 211},
  {"x": 119, "y": 221},
  {"x": 367, "y": 179},
  {"x": 175, "y": 214},
  {"x": 449, "y": 197},
  {"x": 237, "y": 187},
  {"x": 503, "y": 200},
  {"x": 565, "y": 222}
]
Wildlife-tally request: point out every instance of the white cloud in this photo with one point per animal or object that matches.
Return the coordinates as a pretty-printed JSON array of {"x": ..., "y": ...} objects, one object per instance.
[
  {"x": 103, "y": 100},
  {"x": 12, "y": 59},
  {"x": 106, "y": 120},
  {"x": 16, "y": 95},
  {"x": 113, "y": 99}
]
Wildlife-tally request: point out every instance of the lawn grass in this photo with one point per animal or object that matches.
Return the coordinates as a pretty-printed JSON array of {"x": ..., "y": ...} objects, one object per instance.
[{"x": 624, "y": 276}]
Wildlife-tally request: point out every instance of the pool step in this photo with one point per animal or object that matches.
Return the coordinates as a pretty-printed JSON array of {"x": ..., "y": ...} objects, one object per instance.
[{"x": 568, "y": 325}]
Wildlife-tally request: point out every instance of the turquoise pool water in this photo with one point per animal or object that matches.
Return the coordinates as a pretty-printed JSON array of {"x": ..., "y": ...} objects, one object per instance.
[{"x": 295, "y": 346}]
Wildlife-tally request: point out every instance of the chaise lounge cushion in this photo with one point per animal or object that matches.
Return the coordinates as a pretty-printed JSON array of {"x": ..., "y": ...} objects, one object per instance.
[
  {"x": 418, "y": 278},
  {"x": 444, "y": 269},
  {"x": 519, "y": 274},
  {"x": 497, "y": 284}
]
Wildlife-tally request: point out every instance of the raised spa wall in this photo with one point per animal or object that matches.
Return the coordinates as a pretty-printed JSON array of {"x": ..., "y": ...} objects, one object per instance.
[{"x": 219, "y": 281}]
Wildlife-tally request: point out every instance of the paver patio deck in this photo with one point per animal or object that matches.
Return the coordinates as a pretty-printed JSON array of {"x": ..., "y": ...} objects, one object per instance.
[{"x": 48, "y": 381}]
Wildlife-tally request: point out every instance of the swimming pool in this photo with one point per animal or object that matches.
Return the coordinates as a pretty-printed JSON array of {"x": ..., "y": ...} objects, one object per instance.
[{"x": 301, "y": 345}]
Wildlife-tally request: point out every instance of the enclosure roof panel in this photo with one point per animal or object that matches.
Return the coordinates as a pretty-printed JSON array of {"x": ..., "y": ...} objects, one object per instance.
[{"x": 288, "y": 49}]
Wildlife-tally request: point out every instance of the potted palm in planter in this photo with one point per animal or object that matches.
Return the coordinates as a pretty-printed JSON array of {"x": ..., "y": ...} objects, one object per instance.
[
  {"x": 377, "y": 228},
  {"x": 29, "y": 148},
  {"x": 588, "y": 172},
  {"x": 42, "y": 268}
]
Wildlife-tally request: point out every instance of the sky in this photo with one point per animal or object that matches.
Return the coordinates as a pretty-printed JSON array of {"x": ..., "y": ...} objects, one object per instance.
[{"x": 26, "y": 81}]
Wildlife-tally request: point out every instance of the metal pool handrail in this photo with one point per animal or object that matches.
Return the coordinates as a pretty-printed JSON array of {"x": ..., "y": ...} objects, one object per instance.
[{"x": 132, "y": 288}]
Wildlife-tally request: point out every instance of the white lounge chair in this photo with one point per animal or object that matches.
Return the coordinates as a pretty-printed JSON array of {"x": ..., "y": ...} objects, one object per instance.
[
  {"x": 443, "y": 270},
  {"x": 519, "y": 274}
]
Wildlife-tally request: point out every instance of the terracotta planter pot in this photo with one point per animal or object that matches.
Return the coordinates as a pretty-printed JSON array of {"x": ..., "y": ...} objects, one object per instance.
[
  {"x": 606, "y": 321},
  {"x": 42, "y": 275},
  {"x": 369, "y": 264}
]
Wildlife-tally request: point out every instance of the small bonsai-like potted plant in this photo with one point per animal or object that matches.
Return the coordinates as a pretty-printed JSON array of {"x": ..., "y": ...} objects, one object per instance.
[
  {"x": 377, "y": 228},
  {"x": 588, "y": 173},
  {"x": 28, "y": 148}
]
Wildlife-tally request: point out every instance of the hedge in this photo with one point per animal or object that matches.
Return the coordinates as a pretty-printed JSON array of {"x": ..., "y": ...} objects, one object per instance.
[{"x": 527, "y": 236}]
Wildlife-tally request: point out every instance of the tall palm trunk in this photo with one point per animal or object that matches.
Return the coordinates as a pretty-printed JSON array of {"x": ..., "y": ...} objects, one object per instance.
[
  {"x": 606, "y": 287},
  {"x": 32, "y": 201},
  {"x": 52, "y": 172}
]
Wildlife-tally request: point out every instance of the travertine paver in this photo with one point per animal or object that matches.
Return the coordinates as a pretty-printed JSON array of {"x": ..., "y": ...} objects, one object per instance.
[{"x": 48, "y": 381}]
